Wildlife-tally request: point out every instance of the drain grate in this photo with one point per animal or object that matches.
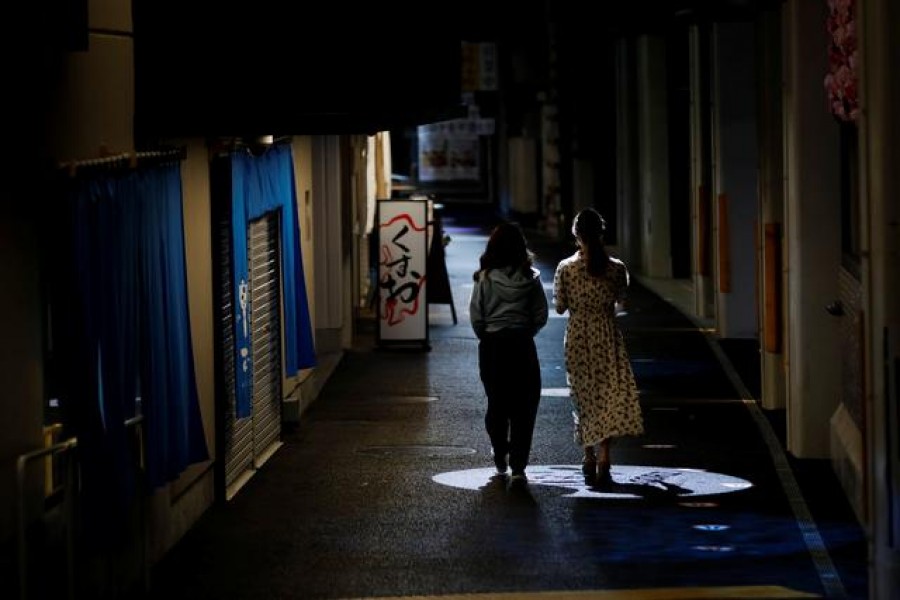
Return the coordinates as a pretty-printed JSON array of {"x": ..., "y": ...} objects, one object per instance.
[
  {"x": 392, "y": 400},
  {"x": 418, "y": 450}
]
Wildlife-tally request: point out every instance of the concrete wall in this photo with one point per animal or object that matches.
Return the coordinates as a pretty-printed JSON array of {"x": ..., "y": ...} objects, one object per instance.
[
  {"x": 653, "y": 156},
  {"x": 21, "y": 368},
  {"x": 812, "y": 221},
  {"x": 735, "y": 176},
  {"x": 771, "y": 207},
  {"x": 94, "y": 102},
  {"x": 300, "y": 391},
  {"x": 879, "y": 28},
  {"x": 628, "y": 226},
  {"x": 523, "y": 182},
  {"x": 701, "y": 242}
]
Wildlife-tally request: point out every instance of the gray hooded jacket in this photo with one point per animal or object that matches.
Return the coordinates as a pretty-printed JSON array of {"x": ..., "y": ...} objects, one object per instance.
[{"x": 508, "y": 299}]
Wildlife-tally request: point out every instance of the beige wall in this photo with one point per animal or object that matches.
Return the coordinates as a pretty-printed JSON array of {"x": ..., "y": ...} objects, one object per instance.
[
  {"x": 20, "y": 358},
  {"x": 812, "y": 230},
  {"x": 175, "y": 508},
  {"x": 301, "y": 147},
  {"x": 94, "y": 107},
  {"x": 198, "y": 250},
  {"x": 92, "y": 113},
  {"x": 879, "y": 27}
]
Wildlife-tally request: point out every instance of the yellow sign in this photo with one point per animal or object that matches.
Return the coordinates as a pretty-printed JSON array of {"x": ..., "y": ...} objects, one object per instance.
[{"x": 479, "y": 67}]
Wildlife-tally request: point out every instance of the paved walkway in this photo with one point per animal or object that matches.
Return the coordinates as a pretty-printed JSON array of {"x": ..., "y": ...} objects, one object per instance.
[{"x": 385, "y": 487}]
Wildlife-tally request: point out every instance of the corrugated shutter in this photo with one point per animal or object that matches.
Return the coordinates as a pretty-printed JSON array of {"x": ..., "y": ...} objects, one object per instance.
[
  {"x": 265, "y": 322},
  {"x": 248, "y": 441},
  {"x": 238, "y": 433}
]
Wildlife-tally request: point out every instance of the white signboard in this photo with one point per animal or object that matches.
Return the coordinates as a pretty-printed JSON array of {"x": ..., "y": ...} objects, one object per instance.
[
  {"x": 450, "y": 150},
  {"x": 402, "y": 258}
]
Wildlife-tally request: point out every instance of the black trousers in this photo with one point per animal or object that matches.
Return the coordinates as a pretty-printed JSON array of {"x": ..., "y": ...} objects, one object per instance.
[{"x": 511, "y": 374}]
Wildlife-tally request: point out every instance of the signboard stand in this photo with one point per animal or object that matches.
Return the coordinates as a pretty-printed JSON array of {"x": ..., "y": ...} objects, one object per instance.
[
  {"x": 401, "y": 294},
  {"x": 439, "y": 291}
]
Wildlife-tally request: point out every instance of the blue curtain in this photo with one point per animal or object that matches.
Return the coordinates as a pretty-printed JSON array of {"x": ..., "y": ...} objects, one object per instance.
[
  {"x": 262, "y": 184},
  {"x": 174, "y": 428},
  {"x": 121, "y": 325},
  {"x": 94, "y": 311}
]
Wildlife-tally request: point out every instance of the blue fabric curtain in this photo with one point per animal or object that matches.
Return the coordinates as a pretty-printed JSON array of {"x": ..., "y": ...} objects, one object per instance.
[
  {"x": 175, "y": 437},
  {"x": 121, "y": 326},
  {"x": 262, "y": 184},
  {"x": 99, "y": 358}
]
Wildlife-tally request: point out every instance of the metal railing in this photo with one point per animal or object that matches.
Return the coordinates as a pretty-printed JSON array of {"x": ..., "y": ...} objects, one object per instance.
[
  {"x": 61, "y": 449},
  {"x": 137, "y": 423}
]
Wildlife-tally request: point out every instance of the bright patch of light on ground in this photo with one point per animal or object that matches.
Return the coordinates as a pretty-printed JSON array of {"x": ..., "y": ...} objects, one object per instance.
[
  {"x": 714, "y": 548},
  {"x": 628, "y": 481},
  {"x": 711, "y": 527},
  {"x": 555, "y": 392}
]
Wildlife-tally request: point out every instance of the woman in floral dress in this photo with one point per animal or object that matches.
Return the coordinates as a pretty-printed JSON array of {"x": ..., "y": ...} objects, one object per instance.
[{"x": 605, "y": 399}]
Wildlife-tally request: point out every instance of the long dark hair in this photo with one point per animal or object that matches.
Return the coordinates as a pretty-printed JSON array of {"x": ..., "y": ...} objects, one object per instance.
[
  {"x": 589, "y": 227},
  {"x": 506, "y": 248}
]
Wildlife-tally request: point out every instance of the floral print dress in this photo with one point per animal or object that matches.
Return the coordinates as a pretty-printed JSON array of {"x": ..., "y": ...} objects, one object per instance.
[{"x": 603, "y": 389}]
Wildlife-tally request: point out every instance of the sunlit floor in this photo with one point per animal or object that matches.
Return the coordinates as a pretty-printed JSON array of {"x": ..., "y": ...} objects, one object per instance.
[
  {"x": 628, "y": 481},
  {"x": 769, "y": 592}
]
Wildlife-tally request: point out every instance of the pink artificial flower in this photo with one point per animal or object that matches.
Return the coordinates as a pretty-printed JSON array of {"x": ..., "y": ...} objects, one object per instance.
[{"x": 841, "y": 80}]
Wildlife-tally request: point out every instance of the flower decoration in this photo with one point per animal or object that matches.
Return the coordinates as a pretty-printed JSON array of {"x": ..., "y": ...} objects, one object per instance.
[{"x": 841, "y": 81}]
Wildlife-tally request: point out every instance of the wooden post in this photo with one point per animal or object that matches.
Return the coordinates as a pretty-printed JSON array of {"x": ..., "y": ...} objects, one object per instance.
[
  {"x": 724, "y": 246},
  {"x": 703, "y": 257},
  {"x": 772, "y": 288}
]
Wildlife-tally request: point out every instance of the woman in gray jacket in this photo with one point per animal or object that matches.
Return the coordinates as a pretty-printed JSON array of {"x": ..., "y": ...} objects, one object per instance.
[{"x": 507, "y": 308}]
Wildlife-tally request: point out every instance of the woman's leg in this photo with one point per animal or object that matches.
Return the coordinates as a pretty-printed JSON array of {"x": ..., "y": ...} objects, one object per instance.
[
  {"x": 604, "y": 451},
  {"x": 524, "y": 383},
  {"x": 524, "y": 414},
  {"x": 496, "y": 419},
  {"x": 589, "y": 462},
  {"x": 603, "y": 464},
  {"x": 497, "y": 425}
]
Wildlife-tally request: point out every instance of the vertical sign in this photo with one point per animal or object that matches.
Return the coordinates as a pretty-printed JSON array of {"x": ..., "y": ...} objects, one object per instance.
[
  {"x": 479, "y": 67},
  {"x": 402, "y": 258}
]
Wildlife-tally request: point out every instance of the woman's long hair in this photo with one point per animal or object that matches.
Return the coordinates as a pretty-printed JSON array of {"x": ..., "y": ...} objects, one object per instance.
[
  {"x": 589, "y": 227},
  {"x": 506, "y": 248}
]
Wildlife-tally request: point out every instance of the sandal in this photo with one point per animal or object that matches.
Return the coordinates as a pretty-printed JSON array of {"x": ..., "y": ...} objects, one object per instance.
[
  {"x": 589, "y": 463},
  {"x": 604, "y": 472}
]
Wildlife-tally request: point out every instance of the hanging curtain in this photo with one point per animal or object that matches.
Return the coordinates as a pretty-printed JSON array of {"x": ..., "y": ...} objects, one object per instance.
[
  {"x": 175, "y": 437},
  {"x": 94, "y": 308},
  {"x": 120, "y": 322},
  {"x": 262, "y": 184}
]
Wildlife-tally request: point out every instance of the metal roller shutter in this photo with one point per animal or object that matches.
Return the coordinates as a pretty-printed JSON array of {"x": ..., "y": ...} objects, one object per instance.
[
  {"x": 238, "y": 433},
  {"x": 265, "y": 322},
  {"x": 249, "y": 441}
]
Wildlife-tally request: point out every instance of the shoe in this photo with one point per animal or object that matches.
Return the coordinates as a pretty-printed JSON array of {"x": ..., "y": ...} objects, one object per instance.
[
  {"x": 589, "y": 466},
  {"x": 518, "y": 478},
  {"x": 500, "y": 463}
]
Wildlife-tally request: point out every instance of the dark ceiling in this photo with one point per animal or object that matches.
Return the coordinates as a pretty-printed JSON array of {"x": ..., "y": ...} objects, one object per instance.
[{"x": 214, "y": 69}]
